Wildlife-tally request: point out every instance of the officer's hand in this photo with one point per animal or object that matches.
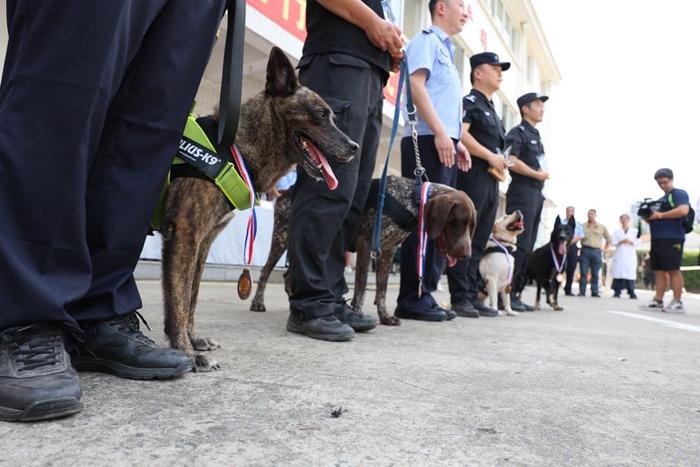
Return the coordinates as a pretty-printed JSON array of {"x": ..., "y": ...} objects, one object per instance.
[
  {"x": 497, "y": 162},
  {"x": 385, "y": 36},
  {"x": 445, "y": 149},
  {"x": 464, "y": 160},
  {"x": 544, "y": 175}
]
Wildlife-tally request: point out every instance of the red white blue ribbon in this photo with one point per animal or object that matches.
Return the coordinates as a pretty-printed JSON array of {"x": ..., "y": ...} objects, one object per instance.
[
  {"x": 559, "y": 267},
  {"x": 422, "y": 234},
  {"x": 508, "y": 255},
  {"x": 252, "y": 228}
]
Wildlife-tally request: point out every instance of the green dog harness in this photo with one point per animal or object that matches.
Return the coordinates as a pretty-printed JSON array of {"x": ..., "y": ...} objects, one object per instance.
[{"x": 197, "y": 151}]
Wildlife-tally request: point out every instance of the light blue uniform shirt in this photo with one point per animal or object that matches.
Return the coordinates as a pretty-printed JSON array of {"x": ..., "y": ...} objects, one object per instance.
[
  {"x": 578, "y": 230},
  {"x": 433, "y": 51}
]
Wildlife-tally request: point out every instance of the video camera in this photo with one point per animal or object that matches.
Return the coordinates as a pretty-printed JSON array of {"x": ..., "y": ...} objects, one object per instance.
[{"x": 647, "y": 206}]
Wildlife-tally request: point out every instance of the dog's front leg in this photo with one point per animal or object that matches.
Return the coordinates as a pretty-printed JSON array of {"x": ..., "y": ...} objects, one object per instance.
[
  {"x": 555, "y": 294},
  {"x": 505, "y": 298},
  {"x": 492, "y": 290},
  {"x": 383, "y": 269},
  {"x": 277, "y": 248},
  {"x": 201, "y": 343},
  {"x": 537, "y": 293},
  {"x": 361, "y": 270}
]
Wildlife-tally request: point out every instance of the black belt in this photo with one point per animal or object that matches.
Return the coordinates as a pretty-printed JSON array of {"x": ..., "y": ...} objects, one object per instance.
[{"x": 590, "y": 247}]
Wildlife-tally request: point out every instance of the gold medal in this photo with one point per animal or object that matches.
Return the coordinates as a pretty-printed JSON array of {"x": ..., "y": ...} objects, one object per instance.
[
  {"x": 508, "y": 288},
  {"x": 560, "y": 278},
  {"x": 245, "y": 285}
]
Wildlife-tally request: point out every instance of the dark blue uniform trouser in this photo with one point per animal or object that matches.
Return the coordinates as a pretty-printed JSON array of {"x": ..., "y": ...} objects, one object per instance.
[
  {"x": 591, "y": 258},
  {"x": 93, "y": 101},
  {"x": 571, "y": 262},
  {"x": 529, "y": 200},
  {"x": 482, "y": 188},
  {"x": 434, "y": 262},
  {"x": 323, "y": 222}
]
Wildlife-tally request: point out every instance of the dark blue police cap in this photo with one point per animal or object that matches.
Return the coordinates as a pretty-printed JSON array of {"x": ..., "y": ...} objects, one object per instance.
[
  {"x": 525, "y": 99},
  {"x": 489, "y": 58}
]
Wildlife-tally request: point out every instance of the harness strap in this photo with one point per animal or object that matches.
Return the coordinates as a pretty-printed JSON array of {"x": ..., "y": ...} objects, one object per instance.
[{"x": 397, "y": 212}]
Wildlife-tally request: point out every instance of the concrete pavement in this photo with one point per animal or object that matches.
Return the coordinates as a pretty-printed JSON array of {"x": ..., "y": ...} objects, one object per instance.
[{"x": 601, "y": 383}]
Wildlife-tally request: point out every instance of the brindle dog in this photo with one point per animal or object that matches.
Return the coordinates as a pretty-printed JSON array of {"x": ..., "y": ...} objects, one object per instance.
[
  {"x": 450, "y": 218},
  {"x": 286, "y": 124}
]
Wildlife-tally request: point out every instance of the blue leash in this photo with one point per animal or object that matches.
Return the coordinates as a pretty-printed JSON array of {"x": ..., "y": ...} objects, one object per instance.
[{"x": 419, "y": 172}]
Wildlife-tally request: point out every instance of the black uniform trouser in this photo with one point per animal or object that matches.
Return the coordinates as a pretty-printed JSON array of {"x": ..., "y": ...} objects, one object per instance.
[
  {"x": 571, "y": 263},
  {"x": 482, "y": 188},
  {"x": 324, "y": 222},
  {"x": 434, "y": 261},
  {"x": 529, "y": 200},
  {"x": 89, "y": 130}
]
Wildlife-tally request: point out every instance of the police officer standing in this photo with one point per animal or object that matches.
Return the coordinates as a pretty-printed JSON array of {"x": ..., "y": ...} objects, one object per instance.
[
  {"x": 483, "y": 135},
  {"x": 346, "y": 59},
  {"x": 84, "y": 100},
  {"x": 528, "y": 174},
  {"x": 437, "y": 95}
]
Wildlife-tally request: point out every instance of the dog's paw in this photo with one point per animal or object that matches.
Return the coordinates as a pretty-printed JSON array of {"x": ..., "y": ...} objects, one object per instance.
[
  {"x": 558, "y": 308},
  {"x": 204, "y": 343},
  {"x": 390, "y": 320},
  {"x": 257, "y": 306},
  {"x": 204, "y": 364},
  {"x": 512, "y": 313}
]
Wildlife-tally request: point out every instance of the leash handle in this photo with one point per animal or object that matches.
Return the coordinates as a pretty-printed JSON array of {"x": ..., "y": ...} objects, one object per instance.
[{"x": 232, "y": 74}]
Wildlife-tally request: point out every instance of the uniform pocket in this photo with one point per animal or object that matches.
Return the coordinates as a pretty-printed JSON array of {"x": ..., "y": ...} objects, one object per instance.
[
  {"x": 341, "y": 110},
  {"x": 347, "y": 60}
]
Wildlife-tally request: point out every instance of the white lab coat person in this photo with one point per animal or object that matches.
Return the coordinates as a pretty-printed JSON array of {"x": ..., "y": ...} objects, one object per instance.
[{"x": 624, "y": 262}]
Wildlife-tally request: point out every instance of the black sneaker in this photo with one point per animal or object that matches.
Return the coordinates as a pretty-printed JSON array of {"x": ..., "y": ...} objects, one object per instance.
[
  {"x": 465, "y": 309},
  {"x": 118, "y": 347},
  {"x": 326, "y": 328},
  {"x": 485, "y": 311},
  {"x": 431, "y": 314},
  {"x": 357, "y": 320},
  {"x": 517, "y": 305},
  {"x": 36, "y": 378}
]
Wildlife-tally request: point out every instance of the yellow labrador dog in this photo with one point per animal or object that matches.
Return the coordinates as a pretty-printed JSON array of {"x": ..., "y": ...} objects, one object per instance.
[{"x": 497, "y": 265}]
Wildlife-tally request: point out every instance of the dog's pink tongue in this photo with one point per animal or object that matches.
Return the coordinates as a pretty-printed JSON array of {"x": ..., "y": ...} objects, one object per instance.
[
  {"x": 451, "y": 261},
  {"x": 328, "y": 174},
  {"x": 562, "y": 249}
]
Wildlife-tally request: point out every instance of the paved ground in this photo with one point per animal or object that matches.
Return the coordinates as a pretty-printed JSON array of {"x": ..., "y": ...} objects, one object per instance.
[{"x": 599, "y": 384}]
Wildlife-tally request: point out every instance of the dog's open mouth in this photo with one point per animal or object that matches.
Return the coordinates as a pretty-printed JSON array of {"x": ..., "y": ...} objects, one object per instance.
[
  {"x": 562, "y": 248},
  {"x": 517, "y": 225},
  {"x": 442, "y": 248},
  {"x": 317, "y": 163}
]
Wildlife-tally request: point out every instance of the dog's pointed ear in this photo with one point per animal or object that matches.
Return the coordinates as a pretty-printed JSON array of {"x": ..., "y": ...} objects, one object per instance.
[
  {"x": 436, "y": 212},
  {"x": 281, "y": 78},
  {"x": 557, "y": 222}
]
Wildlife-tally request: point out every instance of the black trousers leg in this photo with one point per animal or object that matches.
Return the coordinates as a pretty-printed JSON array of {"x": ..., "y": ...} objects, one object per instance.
[
  {"x": 317, "y": 236},
  {"x": 571, "y": 262},
  {"x": 434, "y": 262},
  {"x": 65, "y": 66},
  {"x": 482, "y": 188},
  {"x": 529, "y": 201}
]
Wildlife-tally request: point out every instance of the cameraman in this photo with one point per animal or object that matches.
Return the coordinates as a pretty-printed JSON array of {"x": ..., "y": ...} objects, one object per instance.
[{"x": 667, "y": 238}]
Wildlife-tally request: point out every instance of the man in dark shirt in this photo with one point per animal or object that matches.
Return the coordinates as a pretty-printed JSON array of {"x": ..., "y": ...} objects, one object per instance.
[
  {"x": 667, "y": 238},
  {"x": 347, "y": 55},
  {"x": 525, "y": 190},
  {"x": 483, "y": 135}
]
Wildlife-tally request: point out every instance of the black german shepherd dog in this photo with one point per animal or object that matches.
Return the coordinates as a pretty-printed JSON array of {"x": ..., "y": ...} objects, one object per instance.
[{"x": 543, "y": 263}]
